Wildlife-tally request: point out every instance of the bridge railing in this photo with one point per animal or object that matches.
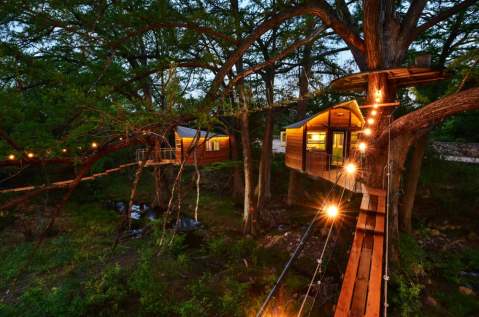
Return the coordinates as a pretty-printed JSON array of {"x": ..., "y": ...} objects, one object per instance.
[{"x": 162, "y": 154}]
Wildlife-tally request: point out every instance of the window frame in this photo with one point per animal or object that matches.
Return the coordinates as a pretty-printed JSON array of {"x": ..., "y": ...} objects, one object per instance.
[{"x": 317, "y": 145}]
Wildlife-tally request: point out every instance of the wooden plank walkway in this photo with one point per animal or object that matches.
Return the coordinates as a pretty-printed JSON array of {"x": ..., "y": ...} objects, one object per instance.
[{"x": 361, "y": 290}]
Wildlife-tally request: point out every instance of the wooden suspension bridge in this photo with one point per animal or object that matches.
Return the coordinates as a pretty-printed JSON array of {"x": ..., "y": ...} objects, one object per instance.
[{"x": 167, "y": 158}]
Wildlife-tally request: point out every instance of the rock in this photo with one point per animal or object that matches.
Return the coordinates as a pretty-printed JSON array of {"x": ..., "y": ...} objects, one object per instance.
[
  {"x": 434, "y": 233},
  {"x": 431, "y": 301},
  {"x": 466, "y": 291}
]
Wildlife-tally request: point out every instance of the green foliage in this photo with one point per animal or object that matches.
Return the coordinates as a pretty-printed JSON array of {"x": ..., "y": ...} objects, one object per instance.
[
  {"x": 459, "y": 305},
  {"x": 407, "y": 296},
  {"x": 107, "y": 291}
]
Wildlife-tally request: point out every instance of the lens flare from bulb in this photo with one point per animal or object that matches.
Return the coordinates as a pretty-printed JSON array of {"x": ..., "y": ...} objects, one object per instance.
[
  {"x": 332, "y": 211},
  {"x": 350, "y": 168},
  {"x": 362, "y": 147}
]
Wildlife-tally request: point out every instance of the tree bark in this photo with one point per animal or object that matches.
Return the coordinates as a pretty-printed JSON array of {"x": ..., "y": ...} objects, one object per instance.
[
  {"x": 264, "y": 178},
  {"x": 238, "y": 186},
  {"x": 249, "y": 216},
  {"x": 412, "y": 179}
]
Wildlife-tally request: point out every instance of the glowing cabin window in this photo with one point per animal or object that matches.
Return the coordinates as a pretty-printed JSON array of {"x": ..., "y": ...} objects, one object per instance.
[
  {"x": 354, "y": 139},
  {"x": 212, "y": 145},
  {"x": 316, "y": 141}
]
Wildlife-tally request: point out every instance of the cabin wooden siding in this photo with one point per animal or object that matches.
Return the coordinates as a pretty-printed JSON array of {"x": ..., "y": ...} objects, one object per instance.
[
  {"x": 294, "y": 148},
  {"x": 203, "y": 156},
  {"x": 314, "y": 162}
]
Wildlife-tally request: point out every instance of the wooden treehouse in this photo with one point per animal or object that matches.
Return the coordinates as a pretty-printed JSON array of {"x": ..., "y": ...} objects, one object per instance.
[
  {"x": 362, "y": 290},
  {"x": 211, "y": 148},
  {"x": 321, "y": 144}
]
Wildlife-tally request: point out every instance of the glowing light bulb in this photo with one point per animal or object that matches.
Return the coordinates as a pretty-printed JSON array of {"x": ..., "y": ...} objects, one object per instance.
[
  {"x": 362, "y": 147},
  {"x": 370, "y": 121},
  {"x": 367, "y": 131},
  {"x": 94, "y": 145},
  {"x": 64, "y": 150},
  {"x": 332, "y": 211},
  {"x": 374, "y": 112},
  {"x": 11, "y": 157},
  {"x": 375, "y": 106},
  {"x": 30, "y": 155},
  {"x": 121, "y": 139},
  {"x": 350, "y": 168}
]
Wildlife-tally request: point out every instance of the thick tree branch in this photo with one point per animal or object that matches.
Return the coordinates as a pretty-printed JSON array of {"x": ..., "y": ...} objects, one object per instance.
[
  {"x": 432, "y": 114},
  {"x": 320, "y": 9},
  {"x": 441, "y": 16}
]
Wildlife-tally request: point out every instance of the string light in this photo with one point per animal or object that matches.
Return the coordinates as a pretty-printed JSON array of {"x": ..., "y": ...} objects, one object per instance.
[
  {"x": 367, "y": 131},
  {"x": 30, "y": 155},
  {"x": 332, "y": 211},
  {"x": 94, "y": 145},
  {"x": 362, "y": 147},
  {"x": 370, "y": 121},
  {"x": 121, "y": 139},
  {"x": 374, "y": 112},
  {"x": 350, "y": 168},
  {"x": 11, "y": 157},
  {"x": 375, "y": 106},
  {"x": 64, "y": 150}
]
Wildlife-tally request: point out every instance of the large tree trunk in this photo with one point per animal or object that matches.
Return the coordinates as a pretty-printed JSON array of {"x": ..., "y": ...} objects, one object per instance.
[
  {"x": 412, "y": 179},
  {"x": 249, "y": 216},
  {"x": 238, "y": 186},
  {"x": 264, "y": 178}
]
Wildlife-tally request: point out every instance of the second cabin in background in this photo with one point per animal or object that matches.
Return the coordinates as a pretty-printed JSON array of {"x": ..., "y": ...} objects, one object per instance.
[
  {"x": 212, "y": 147},
  {"x": 324, "y": 140}
]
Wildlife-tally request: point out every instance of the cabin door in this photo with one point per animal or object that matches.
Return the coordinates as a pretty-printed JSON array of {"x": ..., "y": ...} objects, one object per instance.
[{"x": 337, "y": 149}]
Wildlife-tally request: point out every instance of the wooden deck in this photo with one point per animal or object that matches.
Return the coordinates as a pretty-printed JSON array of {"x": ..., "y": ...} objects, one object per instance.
[
  {"x": 337, "y": 176},
  {"x": 361, "y": 290}
]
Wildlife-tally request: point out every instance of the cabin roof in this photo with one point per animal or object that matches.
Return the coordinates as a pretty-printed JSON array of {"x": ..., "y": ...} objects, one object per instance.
[
  {"x": 186, "y": 132},
  {"x": 351, "y": 105}
]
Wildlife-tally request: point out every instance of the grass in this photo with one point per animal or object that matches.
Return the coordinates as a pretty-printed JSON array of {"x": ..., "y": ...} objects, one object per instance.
[{"x": 213, "y": 272}]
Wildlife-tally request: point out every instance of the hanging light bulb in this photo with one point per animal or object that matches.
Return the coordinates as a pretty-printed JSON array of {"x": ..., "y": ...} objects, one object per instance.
[
  {"x": 94, "y": 145},
  {"x": 350, "y": 168},
  {"x": 362, "y": 147},
  {"x": 374, "y": 112},
  {"x": 30, "y": 155},
  {"x": 332, "y": 211},
  {"x": 11, "y": 157},
  {"x": 370, "y": 121},
  {"x": 367, "y": 131}
]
